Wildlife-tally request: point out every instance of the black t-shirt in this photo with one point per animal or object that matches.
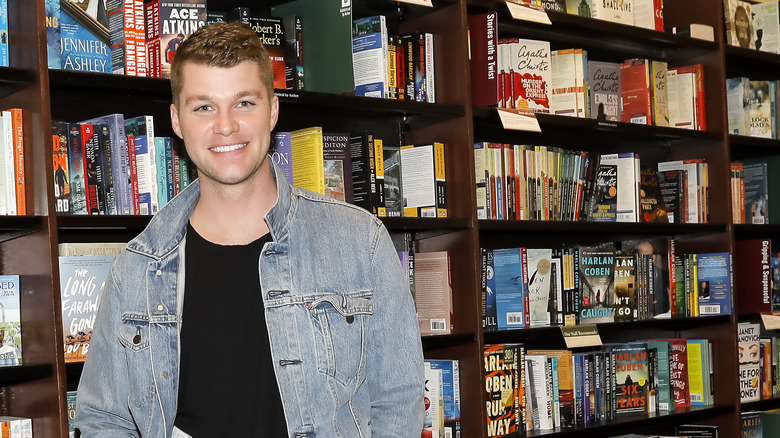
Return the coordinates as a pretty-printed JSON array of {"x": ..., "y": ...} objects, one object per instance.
[{"x": 227, "y": 385}]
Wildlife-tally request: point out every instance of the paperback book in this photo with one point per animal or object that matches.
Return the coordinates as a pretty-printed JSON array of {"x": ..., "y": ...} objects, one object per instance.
[{"x": 11, "y": 322}]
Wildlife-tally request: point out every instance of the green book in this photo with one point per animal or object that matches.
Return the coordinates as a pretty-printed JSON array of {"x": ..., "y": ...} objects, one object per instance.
[{"x": 327, "y": 26}]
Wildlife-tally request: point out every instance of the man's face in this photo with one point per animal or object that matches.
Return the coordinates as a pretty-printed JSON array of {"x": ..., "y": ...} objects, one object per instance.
[{"x": 225, "y": 118}]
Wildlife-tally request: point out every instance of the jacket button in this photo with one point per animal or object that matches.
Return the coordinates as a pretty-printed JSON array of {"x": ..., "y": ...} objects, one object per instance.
[
  {"x": 350, "y": 319},
  {"x": 160, "y": 307},
  {"x": 165, "y": 375},
  {"x": 158, "y": 272}
]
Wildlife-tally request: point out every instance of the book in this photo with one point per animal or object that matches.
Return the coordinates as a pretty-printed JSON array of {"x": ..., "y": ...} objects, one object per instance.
[
  {"x": 89, "y": 248},
  {"x": 60, "y": 166},
  {"x": 604, "y": 89},
  {"x": 651, "y": 196},
  {"x": 17, "y": 204},
  {"x": 451, "y": 394},
  {"x": 532, "y": 75},
  {"x": 369, "y": 56},
  {"x": 78, "y": 189},
  {"x": 53, "y": 39},
  {"x": 697, "y": 430},
  {"x": 433, "y": 292},
  {"x": 142, "y": 130},
  {"x": 433, "y": 425},
  {"x": 90, "y": 149},
  {"x": 329, "y": 23},
  {"x": 70, "y": 398},
  {"x": 337, "y": 166},
  {"x": 565, "y": 383},
  {"x": 692, "y": 186},
  {"x": 125, "y": 42},
  {"x": 696, "y": 30},
  {"x": 537, "y": 369},
  {"x": 713, "y": 272},
  {"x": 83, "y": 37},
  {"x": 16, "y": 426},
  {"x": 663, "y": 373},
  {"x": 766, "y": 26},
  {"x": 615, "y": 11},
  {"x": 490, "y": 313},
  {"x": 748, "y": 337},
  {"x": 271, "y": 33},
  {"x": 627, "y": 184},
  {"x": 631, "y": 375},
  {"x": 423, "y": 180},
  {"x": 604, "y": 199},
  {"x": 366, "y": 191},
  {"x": 11, "y": 322},
  {"x": 738, "y": 105},
  {"x": 178, "y": 20},
  {"x": 752, "y": 425},
  {"x": 753, "y": 275},
  {"x": 510, "y": 287},
  {"x": 504, "y": 366},
  {"x": 636, "y": 91},
  {"x": 626, "y": 299},
  {"x": 306, "y": 146},
  {"x": 121, "y": 164},
  {"x": 760, "y": 110},
  {"x": 281, "y": 153},
  {"x": 739, "y": 23},
  {"x": 539, "y": 266},
  {"x": 293, "y": 52},
  {"x": 82, "y": 279},
  {"x": 659, "y": 91},
  {"x": 393, "y": 186},
  {"x": 563, "y": 99},
  {"x": 152, "y": 30},
  {"x": 698, "y": 371},
  {"x": 597, "y": 288},
  {"x": 756, "y": 180}
]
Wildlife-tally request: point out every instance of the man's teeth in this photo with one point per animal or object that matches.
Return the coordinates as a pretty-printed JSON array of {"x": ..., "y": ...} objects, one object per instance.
[{"x": 228, "y": 148}]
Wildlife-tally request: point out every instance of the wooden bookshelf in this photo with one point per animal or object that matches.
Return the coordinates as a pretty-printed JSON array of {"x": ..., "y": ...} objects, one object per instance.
[{"x": 28, "y": 244}]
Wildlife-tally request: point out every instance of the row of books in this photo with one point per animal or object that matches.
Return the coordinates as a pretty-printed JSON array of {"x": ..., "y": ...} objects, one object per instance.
[
  {"x": 752, "y": 25},
  {"x": 525, "y": 182},
  {"x": 758, "y": 364},
  {"x": 545, "y": 389},
  {"x": 750, "y": 188},
  {"x": 359, "y": 168},
  {"x": 537, "y": 287},
  {"x": 116, "y": 165},
  {"x": 442, "y": 398},
  {"x": 11, "y": 321},
  {"x": 641, "y": 13},
  {"x": 752, "y": 107},
  {"x": 392, "y": 66},
  {"x": 16, "y": 427}
]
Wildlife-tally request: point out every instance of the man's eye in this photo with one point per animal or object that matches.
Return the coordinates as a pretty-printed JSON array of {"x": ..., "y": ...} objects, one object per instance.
[
  {"x": 202, "y": 108},
  {"x": 246, "y": 103}
]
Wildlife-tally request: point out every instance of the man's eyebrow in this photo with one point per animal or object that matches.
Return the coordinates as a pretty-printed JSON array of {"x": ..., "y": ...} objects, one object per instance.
[{"x": 207, "y": 98}]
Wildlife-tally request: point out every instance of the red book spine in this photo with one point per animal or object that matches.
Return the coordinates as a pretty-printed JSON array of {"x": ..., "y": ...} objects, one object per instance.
[
  {"x": 483, "y": 34},
  {"x": 133, "y": 173}
]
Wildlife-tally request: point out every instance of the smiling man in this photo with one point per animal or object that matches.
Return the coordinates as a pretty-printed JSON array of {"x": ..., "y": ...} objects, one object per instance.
[{"x": 250, "y": 308}]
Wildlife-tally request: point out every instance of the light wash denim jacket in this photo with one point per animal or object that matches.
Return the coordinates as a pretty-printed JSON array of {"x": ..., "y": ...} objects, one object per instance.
[{"x": 342, "y": 327}]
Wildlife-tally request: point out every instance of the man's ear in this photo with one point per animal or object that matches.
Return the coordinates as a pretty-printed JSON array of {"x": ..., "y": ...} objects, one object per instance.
[{"x": 175, "y": 120}]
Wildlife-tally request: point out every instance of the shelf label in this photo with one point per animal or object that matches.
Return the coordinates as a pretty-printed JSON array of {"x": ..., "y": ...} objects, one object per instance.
[
  {"x": 771, "y": 322},
  {"x": 527, "y": 12},
  {"x": 581, "y": 336},
  {"x": 428, "y": 3},
  {"x": 519, "y": 120}
]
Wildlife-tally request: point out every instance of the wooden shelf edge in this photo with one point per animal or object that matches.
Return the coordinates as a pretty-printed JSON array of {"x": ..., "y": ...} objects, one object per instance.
[{"x": 12, "y": 375}]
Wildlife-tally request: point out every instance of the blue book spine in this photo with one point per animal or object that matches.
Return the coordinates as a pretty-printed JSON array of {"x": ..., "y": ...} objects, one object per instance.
[
  {"x": 508, "y": 271},
  {"x": 53, "y": 43},
  {"x": 4, "y": 58},
  {"x": 281, "y": 153},
  {"x": 160, "y": 162},
  {"x": 169, "y": 173},
  {"x": 451, "y": 389}
]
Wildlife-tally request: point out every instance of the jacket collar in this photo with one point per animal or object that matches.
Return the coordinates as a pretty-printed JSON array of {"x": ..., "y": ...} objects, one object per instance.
[{"x": 167, "y": 228}]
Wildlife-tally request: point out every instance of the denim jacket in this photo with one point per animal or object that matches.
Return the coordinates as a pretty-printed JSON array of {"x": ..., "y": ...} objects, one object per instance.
[{"x": 344, "y": 337}]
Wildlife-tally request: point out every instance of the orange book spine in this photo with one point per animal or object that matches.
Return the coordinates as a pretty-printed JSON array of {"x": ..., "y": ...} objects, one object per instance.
[{"x": 18, "y": 128}]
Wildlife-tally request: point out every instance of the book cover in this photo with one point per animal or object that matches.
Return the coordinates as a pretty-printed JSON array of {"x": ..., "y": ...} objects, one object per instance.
[
  {"x": 369, "y": 56},
  {"x": 365, "y": 190},
  {"x": 17, "y": 204},
  {"x": 504, "y": 385},
  {"x": 625, "y": 288},
  {"x": 627, "y": 185},
  {"x": 308, "y": 159},
  {"x": 605, "y": 199},
  {"x": 70, "y": 398},
  {"x": 84, "y": 37},
  {"x": 563, "y": 83},
  {"x": 554, "y": 5},
  {"x": 752, "y": 424},
  {"x": 537, "y": 369},
  {"x": 451, "y": 394},
  {"x": 651, "y": 196},
  {"x": 271, "y": 33},
  {"x": 59, "y": 132},
  {"x": 636, "y": 91},
  {"x": 90, "y": 148},
  {"x": 11, "y": 322},
  {"x": 423, "y": 180},
  {"x": 510, "y": 289},
  {"x": 329, "y": 23},
  {"x": 604, "y": 89},
  {"x": 766, "y": 26},
  {"x": 697, "y": 430},
  {"x": 82, "y": 279},
  {"x": 164, "y": 160},
  {"x": 491, "y": 313},
  {"x": 89, "y": 248},
  {"x": 753, "y": 275},
  {"x": 615, "y": 11},
  {"x": 433, "y": 292},
  {"x": 583, "y": 8},
  {"x": 663, "y": 374},
  {"x": 152, "y": 30},
  {"x": 178, "y": 20},
  {"x": 337, "y": 166},
  {"x": 281, "y": 153},
  {"x": 532, "y": 75},
  {"x": 756, "y": 177},
  {"x": 692, "y": 177},
  {"x": 738, "y": 105},
  {"x": 78, "y": 184},
  {"x": 631, "y": 375},
  {"x": 596, "y": 277},
  {"x": 393, "y": 187},
  {"x": 539, "y": 265},
  {"x": 775, "y": 282},
  {"x": 698, "y": 371},
  {"x": 433, "y": 424},
  {"x": 293, "y": 52},
  {"x": 660, "y": 93},
  {"x": 739, "y": 23},
  {"x": 760, "y": 109},
  {"x": 105, "y": 170},
  {"x": 713, "y": 272},
  {"x": 748, "y": 338},
  {"x": 53, "y": 39}
]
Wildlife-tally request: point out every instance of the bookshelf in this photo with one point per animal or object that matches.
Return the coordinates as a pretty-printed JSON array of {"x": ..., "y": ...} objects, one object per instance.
[{"x": 28, "y": 244}]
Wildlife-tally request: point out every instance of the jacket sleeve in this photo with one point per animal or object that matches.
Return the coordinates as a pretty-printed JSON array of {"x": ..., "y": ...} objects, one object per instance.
[
  {"x": 102, "y": 397},
  {"x": 395, "y": 360}
]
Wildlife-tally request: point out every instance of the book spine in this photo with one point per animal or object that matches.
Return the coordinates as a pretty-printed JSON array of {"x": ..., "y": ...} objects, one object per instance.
[
  {"x": 429, "y": 69},
  {"x": 88, "y": 149},
  {"x": 483, "y": 32},
  {"x": 18, "y": 148},
  {"x": 131, "y": 148},
  {"x": 152, "y": 25},
  {"x": 441, "y": 180}
]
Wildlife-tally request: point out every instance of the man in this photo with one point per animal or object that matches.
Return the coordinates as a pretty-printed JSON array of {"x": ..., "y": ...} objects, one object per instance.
[{"x": 191, "y": 340}]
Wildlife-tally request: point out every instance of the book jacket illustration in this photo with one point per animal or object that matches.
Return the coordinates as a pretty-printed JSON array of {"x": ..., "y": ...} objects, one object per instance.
[
  {"x": 503, "y": 368},
  {"x": 597, "y": 286},
  {"x": 632, "y": 378},
  {"x": 82, "y": 279},
  {"x": 10, "y": 321}
]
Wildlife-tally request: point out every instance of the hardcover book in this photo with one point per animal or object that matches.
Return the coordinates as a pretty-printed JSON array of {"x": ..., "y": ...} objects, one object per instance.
[
  {"x": 308, "y": 159},
  {"x": 738, "y": 99},
  {"x": 631, "y": 376},
  {"x": 11, "y": 322},
  {"x": 423, "y": 180},
  {"x": 393, "y": 186},
  {"x": 82, "y": 279},
  {"x": 483, "y": 39},
  {"x": 605, "y": 199},
  {"x": 78, "y": 183},
  {"x": 713, "y": 272},
  {"x": 760, "y": 111},
  {"x": 281, "y": 153},
  {"x": 337, "y": 166},
  {"x": 433, "y": 292},
  {"x": 663, "y": 373},
  {"x": 53, "y": 39},
  {"x": 532, "y": 75},
  {"x": 61, "y": 175},
  {"x": 178, "y": 20},
  {"x": 698, "y": 371},
  {"x": 636, "y": 91},
  {"x": 271, "y": 33},
  {"x": 748, "y": 338},
  {"x": 84, "y": 38},
  {"x": 565, "y": 384},
  {"x": 142, "y": 130},
  {"x": 433, "y": 424},
  {"x": 739, "y": 23},
  {"x": 766, "y": 26},
  {"x": 756, "y": 177},
  {"x": 651, "y": 196},
  {"x": 604, "y": 85},
  {"x": 625, "y": 287},
  {"x": 504, "y": 384},
  {"x": 615, "y": 11},
  {"x": 752, "y": 275}
]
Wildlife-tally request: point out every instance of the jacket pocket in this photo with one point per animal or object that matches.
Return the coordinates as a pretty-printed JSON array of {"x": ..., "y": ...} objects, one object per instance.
[
  {"x": 341, "y": 322},
  {"x": 134, "y": 332}
]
